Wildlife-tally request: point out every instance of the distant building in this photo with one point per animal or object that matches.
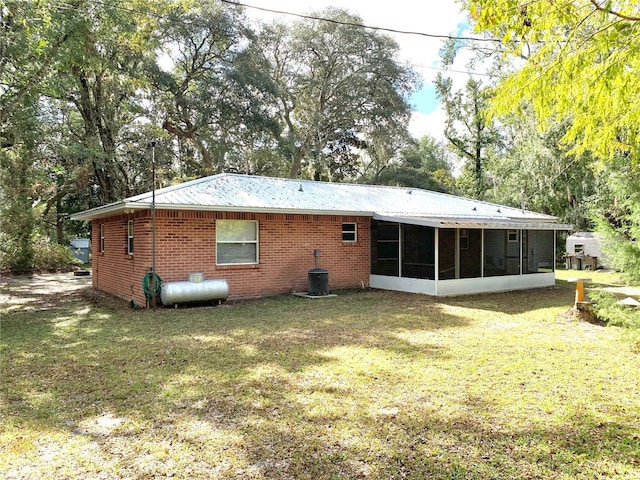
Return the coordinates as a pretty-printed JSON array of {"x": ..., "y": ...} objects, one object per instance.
[
  {"x": 80, "y": 248},
  {"x": 584, "y": 251}
]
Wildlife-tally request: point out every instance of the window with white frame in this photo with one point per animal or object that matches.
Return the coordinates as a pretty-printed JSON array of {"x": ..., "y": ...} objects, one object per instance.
[
  {"x": 464, "y": 239},
  {"x": 236, "y": 242},
  {"x": 349, "y": 232},
  {"x": 102, "y": 237},
  {"x": 130, "y": 237},
  {"x": 512, "y": 235}
]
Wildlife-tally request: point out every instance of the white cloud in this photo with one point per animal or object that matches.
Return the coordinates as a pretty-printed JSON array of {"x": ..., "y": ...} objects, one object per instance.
[{"x": 431, "y": 124}]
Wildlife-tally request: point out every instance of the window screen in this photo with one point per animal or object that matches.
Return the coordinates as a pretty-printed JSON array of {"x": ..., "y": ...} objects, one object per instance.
[
  {"x": 349, "y": 232},
  {"x": 130, "y": 237},
  {"x": 236, "y": 242}
]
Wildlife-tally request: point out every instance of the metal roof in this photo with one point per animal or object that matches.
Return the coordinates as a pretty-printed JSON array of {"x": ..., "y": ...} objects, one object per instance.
[{"x": 247, "y": 193}]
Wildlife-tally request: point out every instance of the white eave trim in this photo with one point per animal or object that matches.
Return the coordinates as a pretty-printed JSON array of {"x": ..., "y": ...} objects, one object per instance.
[
  {"x": 108, "y": 211},
  {"x": 509, "y": 224},
  {"x": 503, "y": 223}
]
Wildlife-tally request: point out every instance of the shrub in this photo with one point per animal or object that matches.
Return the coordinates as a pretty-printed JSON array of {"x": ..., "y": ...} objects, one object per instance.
[
  {"x": 608, "y": 310},
  {"x": 27, "y": 255},
  {"x": 53, "y": 258},
  {"x": 16, "y": 255}
]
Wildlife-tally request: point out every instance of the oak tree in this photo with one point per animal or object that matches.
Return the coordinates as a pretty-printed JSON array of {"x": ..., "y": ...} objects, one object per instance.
[{"x": 336, "y": 81}]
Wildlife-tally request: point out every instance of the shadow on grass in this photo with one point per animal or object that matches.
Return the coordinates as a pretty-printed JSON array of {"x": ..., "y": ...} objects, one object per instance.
[
  {"x": 420, "y": 446},
  {"x": 86, "y": 359},
  {"x": 350, "y": 387},
  {"x": 519, "y": 301}
]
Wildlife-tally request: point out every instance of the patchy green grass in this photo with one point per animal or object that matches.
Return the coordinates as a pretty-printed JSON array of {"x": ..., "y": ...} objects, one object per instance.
[
  {"x": 364, "y": 385},
  {"x": 600, "y": 278}
]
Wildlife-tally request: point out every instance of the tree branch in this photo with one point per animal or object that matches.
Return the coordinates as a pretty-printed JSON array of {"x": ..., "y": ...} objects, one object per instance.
[
  {"x": 33, "y": 79},
  {"x": 611, "y": 12}
]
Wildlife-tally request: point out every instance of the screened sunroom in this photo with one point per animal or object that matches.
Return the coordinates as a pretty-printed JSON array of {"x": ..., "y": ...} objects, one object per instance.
[{"x": 443, "y": 258}]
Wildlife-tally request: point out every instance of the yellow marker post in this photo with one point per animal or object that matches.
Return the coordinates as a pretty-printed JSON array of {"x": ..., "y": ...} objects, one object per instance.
[{"x": 580, "y": 301}]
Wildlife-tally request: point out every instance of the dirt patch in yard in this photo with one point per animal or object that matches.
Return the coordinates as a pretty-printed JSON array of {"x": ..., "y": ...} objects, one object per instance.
[{"x": 40, "y": 291}]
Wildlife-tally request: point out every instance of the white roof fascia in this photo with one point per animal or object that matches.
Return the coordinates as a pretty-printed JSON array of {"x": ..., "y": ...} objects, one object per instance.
[
  {"x": 487, "y": 223},
  {"x": 422, "y": 221},
  {"x": 507, "y": 224},
  {"x": 108, "y": 210}
]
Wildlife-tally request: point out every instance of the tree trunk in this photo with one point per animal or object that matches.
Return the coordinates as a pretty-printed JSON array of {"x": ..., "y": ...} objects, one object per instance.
[{"x": 59, "y": 222}]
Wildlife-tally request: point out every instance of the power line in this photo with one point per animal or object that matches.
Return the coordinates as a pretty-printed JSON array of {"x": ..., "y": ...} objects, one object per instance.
[
  {"x": 449, "y": 70},
  {"x": 361, "y": 25},
  {"x": 65, "y": 6}
]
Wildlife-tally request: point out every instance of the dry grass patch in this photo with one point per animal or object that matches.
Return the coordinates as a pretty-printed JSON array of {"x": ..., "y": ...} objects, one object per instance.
[{"x": 364, "y": 385}]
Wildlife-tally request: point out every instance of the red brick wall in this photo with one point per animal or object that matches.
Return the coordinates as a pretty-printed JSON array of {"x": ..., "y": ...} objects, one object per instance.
[
  {"x": 186, "y": 243},
  {"x": 114, "y": 270}
]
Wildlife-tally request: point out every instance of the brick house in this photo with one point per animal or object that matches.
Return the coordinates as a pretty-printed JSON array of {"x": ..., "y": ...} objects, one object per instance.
[{"x": 260, "y": 235}]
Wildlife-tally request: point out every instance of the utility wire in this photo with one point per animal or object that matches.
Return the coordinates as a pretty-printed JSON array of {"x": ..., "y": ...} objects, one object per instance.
[
  {"x": 449, "y": 70},
  {"x": 361, "y": 25},
  {"x": 65, "y": 6}
]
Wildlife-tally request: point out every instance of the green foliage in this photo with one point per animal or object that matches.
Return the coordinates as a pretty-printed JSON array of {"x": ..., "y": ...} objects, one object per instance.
[
  {"x": 617, "y": 214},
  {"x": 214, "y": 97},
  {"x": 86, "y": 88},
  {"x": 16, "y": 254},
  {"x": 99, "y": 88},
  {"x": 18, "y": 192},
  {"x": 469, "y": 130},
  {"x": 20, "y": 256},
  {"x": 29, "y": 44},
  {"x": 422, "y": 164},
  {"x": 581, "y": 64},
  {"x": 580, "y": 70},
  {"x": 338, "y": 86},
  {"x": 537, "y": 172},
  {"x": 52, "y": 257},
  {"x": 607, "y": 309}
]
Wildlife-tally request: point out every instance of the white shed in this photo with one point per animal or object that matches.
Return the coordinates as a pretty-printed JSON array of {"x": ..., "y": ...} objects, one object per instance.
[
  {"x": 80, "y": 248},
  {"x": 586, "y": 244}
]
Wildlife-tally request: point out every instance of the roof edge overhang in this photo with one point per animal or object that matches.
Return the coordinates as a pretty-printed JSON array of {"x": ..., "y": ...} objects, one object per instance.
[
  {"x": 121, "y": 208},
  {"x": 488, "y": 223}
]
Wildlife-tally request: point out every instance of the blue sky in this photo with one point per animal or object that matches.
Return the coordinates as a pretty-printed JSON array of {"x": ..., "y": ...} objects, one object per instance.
[{"x": 424, "y": 100}]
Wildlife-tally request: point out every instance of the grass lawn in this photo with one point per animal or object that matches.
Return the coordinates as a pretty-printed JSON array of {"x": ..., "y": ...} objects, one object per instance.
[{"x": 370, "y": 384}]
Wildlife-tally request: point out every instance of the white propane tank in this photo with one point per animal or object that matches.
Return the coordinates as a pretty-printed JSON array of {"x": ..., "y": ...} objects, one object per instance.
[{"x": 173, "y": 293}]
